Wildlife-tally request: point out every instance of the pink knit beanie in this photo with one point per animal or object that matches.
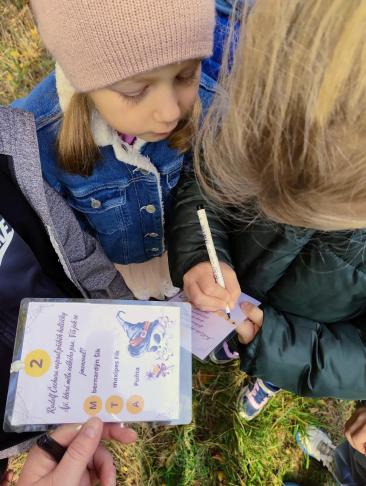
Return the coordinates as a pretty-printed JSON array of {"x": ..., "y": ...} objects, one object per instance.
[{"x": 99, "y": 42}]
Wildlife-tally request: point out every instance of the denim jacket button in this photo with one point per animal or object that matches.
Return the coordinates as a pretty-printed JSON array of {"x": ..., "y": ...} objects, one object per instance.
[
  {"x": 154, "y": 249},
  {"x": 150, "y": 208},
  {"x": 95, "y": 203},
  {"x": 153, "y": 235}
]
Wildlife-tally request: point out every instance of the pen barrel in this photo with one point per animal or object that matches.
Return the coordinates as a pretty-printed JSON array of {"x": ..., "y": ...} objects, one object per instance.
[{"x": 210, "y": 247}]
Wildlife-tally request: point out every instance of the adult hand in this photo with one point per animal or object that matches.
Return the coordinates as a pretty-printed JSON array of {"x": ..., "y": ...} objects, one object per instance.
[
  {"x": 85, "y": 462},
  {"x": 355, "y": 430},
  {"x": 250, "y": 327},
  {"x": 204, "y": 293}
]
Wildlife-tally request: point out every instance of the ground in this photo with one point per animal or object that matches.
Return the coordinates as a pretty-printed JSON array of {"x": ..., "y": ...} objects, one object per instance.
[{"x": 217, "y": 448}]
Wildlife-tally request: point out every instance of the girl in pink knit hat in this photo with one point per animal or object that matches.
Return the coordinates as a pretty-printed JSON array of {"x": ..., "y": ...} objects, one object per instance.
[{"x": 116, "y": 116}]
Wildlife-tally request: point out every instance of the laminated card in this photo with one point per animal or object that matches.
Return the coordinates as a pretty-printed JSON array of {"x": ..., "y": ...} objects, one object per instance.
[{"x": 120, "y": 360}]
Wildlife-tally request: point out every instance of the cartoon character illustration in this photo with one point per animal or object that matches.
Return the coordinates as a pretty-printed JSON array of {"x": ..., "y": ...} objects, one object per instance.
[
  {"x": 146, "y": 336},
  {"x": 159, "y": 370}
]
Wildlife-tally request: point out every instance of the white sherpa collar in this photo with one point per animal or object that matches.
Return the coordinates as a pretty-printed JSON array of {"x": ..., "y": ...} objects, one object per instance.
[{"x": 63, "y": 87}]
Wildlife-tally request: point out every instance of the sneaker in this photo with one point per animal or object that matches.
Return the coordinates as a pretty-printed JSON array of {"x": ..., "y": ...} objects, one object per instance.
[
  {"x": 254, "y": 397},
  {"x": 318, "y": 445},
  {"x": 224, "y": 354}
]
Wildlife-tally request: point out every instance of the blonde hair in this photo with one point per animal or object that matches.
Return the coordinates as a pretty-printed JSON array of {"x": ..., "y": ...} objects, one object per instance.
[
  {"x": 76, "y": 149},
  {"x": 285, "y": 138}
]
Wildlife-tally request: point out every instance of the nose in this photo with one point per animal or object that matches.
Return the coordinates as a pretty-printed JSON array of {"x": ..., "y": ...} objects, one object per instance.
[{"x": 167, "y": 109}]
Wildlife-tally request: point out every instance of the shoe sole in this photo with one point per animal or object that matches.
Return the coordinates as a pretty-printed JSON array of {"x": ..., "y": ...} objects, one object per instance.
[
  {"x": 221, "y": 362},
  {"x": 214, "y": 360}
]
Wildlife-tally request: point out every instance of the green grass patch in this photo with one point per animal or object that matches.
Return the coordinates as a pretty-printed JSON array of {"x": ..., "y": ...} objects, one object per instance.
[{"x": 218, "y": 448}]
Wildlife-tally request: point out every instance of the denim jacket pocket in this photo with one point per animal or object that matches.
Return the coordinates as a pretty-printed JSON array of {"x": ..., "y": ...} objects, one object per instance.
[{"x": 105, "y": 209}]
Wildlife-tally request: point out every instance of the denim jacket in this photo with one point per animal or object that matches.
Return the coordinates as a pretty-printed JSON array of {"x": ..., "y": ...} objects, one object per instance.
[{"x": 126, "y": 201}]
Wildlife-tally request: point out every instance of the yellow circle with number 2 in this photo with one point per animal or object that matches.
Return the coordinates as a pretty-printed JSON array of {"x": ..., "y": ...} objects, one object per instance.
[{"x": 37, "y": 363}]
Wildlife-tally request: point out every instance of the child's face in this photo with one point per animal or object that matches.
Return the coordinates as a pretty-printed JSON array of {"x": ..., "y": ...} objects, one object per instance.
[{"x": 150, "y": 105}]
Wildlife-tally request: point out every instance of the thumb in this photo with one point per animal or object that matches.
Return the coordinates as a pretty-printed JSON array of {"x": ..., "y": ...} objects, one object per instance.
[
  {"x": 245, "y": 331},
  {"x": 7, "y": 479},
  {"x": 253, "y": 313},
  {"x": 232, "y": 285},
  {"x": 79, "y": 454}
]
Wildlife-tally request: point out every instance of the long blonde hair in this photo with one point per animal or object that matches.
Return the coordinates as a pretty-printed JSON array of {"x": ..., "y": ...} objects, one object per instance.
[
  {"x": 286, "y": 135},
  {"x": 76, "y": 149}
]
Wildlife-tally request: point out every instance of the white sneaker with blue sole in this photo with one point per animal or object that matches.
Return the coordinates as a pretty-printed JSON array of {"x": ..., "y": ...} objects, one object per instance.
[{"x": 316, "y": 444}]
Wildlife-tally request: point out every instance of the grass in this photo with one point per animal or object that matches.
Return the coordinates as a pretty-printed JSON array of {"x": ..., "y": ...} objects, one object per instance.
[
  {"x": 217, "y": 448},
  {"x": 23, "y": 60}
]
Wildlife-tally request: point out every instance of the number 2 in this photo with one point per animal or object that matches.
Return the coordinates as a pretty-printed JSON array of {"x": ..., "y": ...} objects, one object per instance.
[{"x": 38, "y": 363}]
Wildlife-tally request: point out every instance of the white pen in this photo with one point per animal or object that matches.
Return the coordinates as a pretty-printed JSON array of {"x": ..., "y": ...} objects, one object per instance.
[{"x": 202, "y": 216}]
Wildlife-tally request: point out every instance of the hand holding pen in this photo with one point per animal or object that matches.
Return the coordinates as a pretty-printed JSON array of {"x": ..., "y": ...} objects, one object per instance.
[
  {"x": 202, "y": 216},
  {"x": 205, "y": 293}
]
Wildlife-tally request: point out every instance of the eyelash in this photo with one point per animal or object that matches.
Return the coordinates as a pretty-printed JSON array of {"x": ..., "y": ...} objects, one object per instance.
[
  {"x": 187, "y": 80},
  {"x": 134, "y": 100}
]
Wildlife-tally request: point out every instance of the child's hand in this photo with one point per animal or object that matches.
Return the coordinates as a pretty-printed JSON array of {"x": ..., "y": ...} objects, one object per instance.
[
  {"x": 355, "y": 430},
  {"x": 249, "y": 328},
  {"x": 203, "y": 291}
]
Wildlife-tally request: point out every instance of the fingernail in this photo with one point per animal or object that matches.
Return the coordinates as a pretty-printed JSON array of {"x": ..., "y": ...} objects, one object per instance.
[
  {"x": 122, "y": 425},
  {"x": 92, "y": 428},
  {"x": 78, "y": 427}
]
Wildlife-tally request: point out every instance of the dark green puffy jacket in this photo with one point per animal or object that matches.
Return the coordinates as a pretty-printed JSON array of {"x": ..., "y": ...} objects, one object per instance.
[{"x": 313, "y": 289}]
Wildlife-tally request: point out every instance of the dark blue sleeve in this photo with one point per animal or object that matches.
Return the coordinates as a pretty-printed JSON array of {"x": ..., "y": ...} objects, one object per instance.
[
  {"x": 42, "y": 101},
  {"x": 211, "y": 66}
]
